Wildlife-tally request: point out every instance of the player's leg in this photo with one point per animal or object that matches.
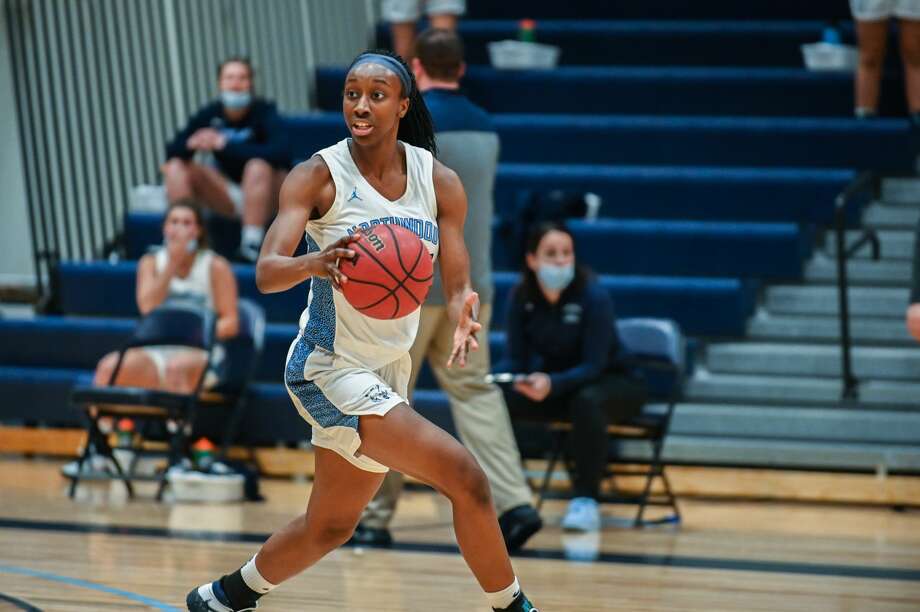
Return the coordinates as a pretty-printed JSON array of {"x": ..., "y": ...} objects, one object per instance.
[
  {"x": 403, "y": 440},
  {"x": 484, "y": 425},
  {"x": 873, "y": 38},
  {"x": 340, "y": 492}
]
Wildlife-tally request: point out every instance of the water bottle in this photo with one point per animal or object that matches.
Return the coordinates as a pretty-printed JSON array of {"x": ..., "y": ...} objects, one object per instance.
[
  {"x": 527, "y": 30},
  {"x": 125, "y": 433},
  {"x": 831, "y": 34},
  {"x": 203, "y": 454}
]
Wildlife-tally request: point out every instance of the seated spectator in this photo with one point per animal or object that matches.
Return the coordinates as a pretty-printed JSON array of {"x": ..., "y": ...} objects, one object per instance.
[
  {"x": 913, "y": 311},
  {"x": 562, "y": 335},
  {"x": 403, "y": 14},
  {"x": 183, "y": 268},
  {"x": 231, "y": 156}
]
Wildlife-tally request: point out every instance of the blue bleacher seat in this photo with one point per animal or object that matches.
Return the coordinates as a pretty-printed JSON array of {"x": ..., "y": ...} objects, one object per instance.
[
  {"x": 667, "y": 141},
  {"x": 650, "y": 43},
  {"x": 770, "y": 92},
  {"x": 104, "y": 289},
  {"x": 660, "y": 10},
  {"x": 702, "y": 306}
]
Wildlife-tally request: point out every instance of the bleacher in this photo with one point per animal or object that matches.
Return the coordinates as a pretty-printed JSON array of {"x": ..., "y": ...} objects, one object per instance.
[{"x": 717, "y": 157}]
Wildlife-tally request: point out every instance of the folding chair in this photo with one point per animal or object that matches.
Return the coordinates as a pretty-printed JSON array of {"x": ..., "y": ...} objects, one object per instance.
[
  {"x": 175, "y": 323},
  {"x": 243, "y": 353},
  {"x": 657, "y": 348}
]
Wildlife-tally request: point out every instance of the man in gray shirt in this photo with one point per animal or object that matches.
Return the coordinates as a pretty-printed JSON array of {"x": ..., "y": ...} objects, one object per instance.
[{"x": 468, "y": 144}]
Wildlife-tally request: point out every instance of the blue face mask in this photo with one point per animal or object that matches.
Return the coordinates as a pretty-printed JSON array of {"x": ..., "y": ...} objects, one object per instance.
[
  {"x": 235, "y": 100},
  {"x": 556, "y": 278}
]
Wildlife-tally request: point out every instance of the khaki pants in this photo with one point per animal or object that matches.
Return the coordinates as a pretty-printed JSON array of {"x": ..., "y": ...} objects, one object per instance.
[{"x": 479, "y": 412}]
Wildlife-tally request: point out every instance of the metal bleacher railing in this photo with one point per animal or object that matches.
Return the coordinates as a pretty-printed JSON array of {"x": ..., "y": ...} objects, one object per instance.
[{"x": 866, "y": 182}]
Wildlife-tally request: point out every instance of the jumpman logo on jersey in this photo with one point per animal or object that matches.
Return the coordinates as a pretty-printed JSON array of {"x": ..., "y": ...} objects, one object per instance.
[{"x": 354, "y": 195}]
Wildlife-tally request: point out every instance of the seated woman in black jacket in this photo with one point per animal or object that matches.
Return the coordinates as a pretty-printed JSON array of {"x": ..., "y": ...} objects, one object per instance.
[{"x": 561, "y": 334}]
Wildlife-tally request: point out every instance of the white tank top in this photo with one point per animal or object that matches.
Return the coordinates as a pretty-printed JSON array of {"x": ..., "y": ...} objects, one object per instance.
[
  {"x": 197, "y": 284},
  {"x": 329, "y": 321}
]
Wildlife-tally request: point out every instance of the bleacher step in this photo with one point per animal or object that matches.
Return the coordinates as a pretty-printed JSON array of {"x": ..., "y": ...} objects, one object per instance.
[
  {"x": 882, "y": 216},
  {"x": 901, "y": 190},
  {"x": 864, "y": 301},
  {"x": 864, "y": 330},
  {"x": 890, "y": 393},
  {"x": 705, "y": 386},
  {"x": 894, "y": 245},
  {"x": 823, "y": 269},
  {"x": 797, "y": 423},
  {"x": 890, "y": 363},
  {"x": 778, "y": 453}
]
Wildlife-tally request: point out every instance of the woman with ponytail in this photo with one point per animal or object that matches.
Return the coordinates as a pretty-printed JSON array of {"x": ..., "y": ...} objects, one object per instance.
[{"x": 347, "y": 375}]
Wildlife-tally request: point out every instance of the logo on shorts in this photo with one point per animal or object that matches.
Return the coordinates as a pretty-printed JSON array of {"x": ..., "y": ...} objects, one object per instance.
[{"x": 377, "y": 394}]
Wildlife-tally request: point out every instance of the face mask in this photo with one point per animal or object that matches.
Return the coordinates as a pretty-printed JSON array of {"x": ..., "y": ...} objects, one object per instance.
[
  {"x": 191, "y": 246},
  {"x": 556, "y": 278},
  {"x": 235, "y": 100}
]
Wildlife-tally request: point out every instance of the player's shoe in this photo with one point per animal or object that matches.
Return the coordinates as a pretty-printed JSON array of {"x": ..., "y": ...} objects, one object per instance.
[
  {"x": 520, "y": 604},
  {"x": 203, "y": 599}
]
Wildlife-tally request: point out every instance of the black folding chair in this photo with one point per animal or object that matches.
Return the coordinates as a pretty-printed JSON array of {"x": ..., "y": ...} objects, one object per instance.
[
  {"x": 657, "y": 347},
  {"x": 175, "y": 323},
  {"x": 226, "y": 402}
]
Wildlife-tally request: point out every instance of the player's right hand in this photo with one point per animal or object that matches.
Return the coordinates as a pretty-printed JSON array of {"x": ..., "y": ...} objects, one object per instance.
[{"x": 325, "y": 264}]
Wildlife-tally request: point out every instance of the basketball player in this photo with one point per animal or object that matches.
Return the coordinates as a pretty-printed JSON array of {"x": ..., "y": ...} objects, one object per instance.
[{"x": 348, "y": 374}]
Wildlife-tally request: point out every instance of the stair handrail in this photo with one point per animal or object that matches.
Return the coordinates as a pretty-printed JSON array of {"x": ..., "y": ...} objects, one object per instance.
[{"x": 865, "y": 181}]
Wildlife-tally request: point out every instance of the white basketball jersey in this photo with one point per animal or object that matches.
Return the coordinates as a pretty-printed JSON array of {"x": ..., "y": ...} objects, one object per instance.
[
  {"x": 329, "y": 321},
  {"x": 195, "y": 286}
]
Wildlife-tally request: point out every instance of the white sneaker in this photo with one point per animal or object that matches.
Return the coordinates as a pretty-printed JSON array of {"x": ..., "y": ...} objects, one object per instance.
[{"x": 584, "y": 514}]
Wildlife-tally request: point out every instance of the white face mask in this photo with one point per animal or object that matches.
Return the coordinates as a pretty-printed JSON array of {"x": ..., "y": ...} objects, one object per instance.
[
  {"x": 235, "y": 100},
  {"x": 556, "y": 278}
]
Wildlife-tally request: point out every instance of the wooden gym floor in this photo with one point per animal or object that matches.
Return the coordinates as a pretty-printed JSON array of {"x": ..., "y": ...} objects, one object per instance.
[{"x": 102, "y": 552}]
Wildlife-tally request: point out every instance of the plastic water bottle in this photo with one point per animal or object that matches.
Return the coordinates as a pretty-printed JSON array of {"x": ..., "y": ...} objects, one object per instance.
[
  {"x": 125, "y": 433},
  {"x": 203, "y": 454},
  {"x": 527, "y": 30}
]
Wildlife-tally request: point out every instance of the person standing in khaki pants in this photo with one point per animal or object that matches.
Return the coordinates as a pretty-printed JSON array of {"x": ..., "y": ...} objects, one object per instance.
[{"x": 468, "y": 144}]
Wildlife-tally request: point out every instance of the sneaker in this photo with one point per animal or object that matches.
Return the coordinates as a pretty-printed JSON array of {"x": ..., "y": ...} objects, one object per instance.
[
  {"x": 249, "y": 252},
  {"x": 203, "y": 599},
  {"x": 520, "y": 604},
  {"x": 518, "y": 524},
  {"x": 584, "y": 514},
  {"x": 372, "y": 536}
]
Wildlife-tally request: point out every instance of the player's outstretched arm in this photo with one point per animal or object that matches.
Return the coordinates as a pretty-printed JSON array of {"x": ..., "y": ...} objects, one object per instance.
[
  {"x": 307, "y": 193},
  {"x": 462, "y": 301}
]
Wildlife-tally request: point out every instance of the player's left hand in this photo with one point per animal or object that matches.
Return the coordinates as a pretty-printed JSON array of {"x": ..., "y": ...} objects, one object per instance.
[{"x": 467, "y": 328}]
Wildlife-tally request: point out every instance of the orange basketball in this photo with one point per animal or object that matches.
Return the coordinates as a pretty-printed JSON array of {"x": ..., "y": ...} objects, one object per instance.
[{"x": 390, "y": 274}]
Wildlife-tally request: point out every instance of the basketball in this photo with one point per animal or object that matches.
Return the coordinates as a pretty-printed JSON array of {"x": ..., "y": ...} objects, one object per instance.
[{"x": 391, "y": 273}]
